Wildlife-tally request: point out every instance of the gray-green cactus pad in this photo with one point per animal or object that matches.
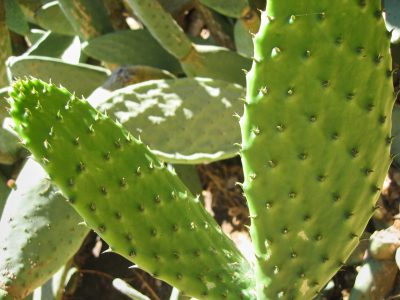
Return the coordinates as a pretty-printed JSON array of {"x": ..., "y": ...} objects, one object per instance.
[
  {"x": 51, "y": 17},
  {"x": 15, "y": 18},
  {"x": 175, "y": 7},
  {"x": 243, "y": 39},
  {"x": 39, "y": 233},
  {"x": 216, "y": 62},
  {"x": 51, "y": 45},
  {"x": 80, "y": 78},
  {"x": 131, "y": 47},
  {"x": 231, "y": 8},
  {"x": 187, "y": 120}
]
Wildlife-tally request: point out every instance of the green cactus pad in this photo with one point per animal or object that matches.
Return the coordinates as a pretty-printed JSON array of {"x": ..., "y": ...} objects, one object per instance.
[
  {"x": 88, "y": 17},
  {"x": 187, "y": 120},
  {"x": 316, "y": 138},
  {"x": 196, "y": 60},
  {"x": 243, "y": 39},
  {"x": 15, "y": 18},
  {"x": 138, "y": 206},
  {"x": 231, "y": 8},
  {"x": 51, "y": 45},
  {"x": 80, "y": 78},
  {"x": 190, "y": 177},
  {"x": 133, "y": 47},
  {"x": 35, "y": 35},
  {"x": 39, "y": 233},
  {"x": 51, "y": 17},
  {"x": 162, "y": 27},
  {"x": 176, "y": 7},
  {"x": 216, "y": 62}
]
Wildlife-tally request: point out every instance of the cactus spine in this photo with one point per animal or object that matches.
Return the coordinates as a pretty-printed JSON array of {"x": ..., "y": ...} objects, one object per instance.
[{"x": 316, "y": 138}]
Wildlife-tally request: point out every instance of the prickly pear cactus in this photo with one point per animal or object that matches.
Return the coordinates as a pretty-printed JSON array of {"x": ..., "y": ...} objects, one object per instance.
[
  {"x": 316, "y": 138},
  {"x": 177, "y": 117},
  {"x": 143, "y": 210},
  {"x": 35, "y": 243},
  {"x": 81, "y": 78}
]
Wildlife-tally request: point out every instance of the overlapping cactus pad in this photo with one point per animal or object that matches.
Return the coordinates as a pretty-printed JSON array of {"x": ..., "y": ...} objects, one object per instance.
[
  {"x": 316, "y": 138},
  {"x": 186, "y": 120},
  {"x": 39, "y": 233},
  {"x": 131, "y": 199}
]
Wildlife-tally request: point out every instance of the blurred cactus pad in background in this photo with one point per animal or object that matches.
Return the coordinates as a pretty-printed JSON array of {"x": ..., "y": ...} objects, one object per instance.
[{"x": 199, "y": 149}]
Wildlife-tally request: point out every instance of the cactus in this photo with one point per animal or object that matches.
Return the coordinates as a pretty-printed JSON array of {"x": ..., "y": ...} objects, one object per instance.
[
  {"x": 50, "y": 45},
  {"x": 316, "y": 106},
  {"x": 124, "y": 76},
  {"x": 34, "y": 243},
  {"x": 196, "y": 60},
  {"x": 392, "y": 8},
  {"x": 232, "y": 8},
  {"x": 51, "y": 17},
  {"x": 29, "y": 8},
  {"x": 245, "y": 27},
  {"x": 81, "y": 78},
  {"x": 184, "y": 106},
  {"x": 88, "y": 17},
  {"x": 316, "y": 131},
  {"x": 217, "y": 63},
  {"x": 127, "y": 211},
  {"x": 243, "y": 39},
  {"x": 15, "y": 18},
  {"x": 133, "y": 47}
]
